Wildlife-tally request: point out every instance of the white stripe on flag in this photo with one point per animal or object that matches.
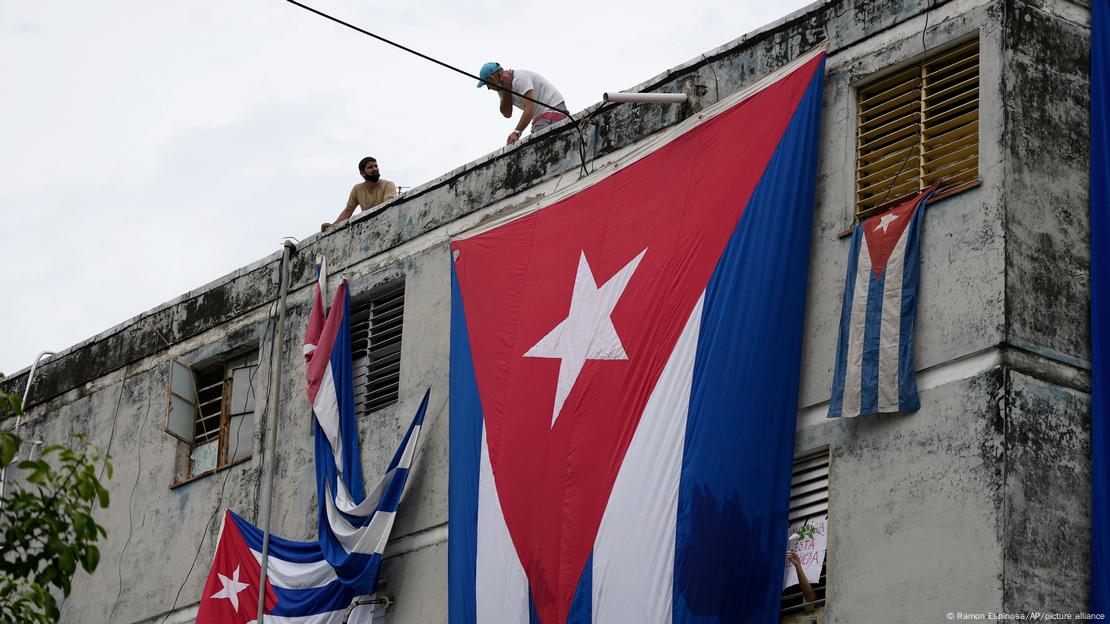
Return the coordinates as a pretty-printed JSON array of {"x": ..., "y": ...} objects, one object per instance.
[
  {"x": 369, "y": 539},
  {"x": 500, "y": 586},
  {"x": 890, "y": 330},
  {"x": 293, "y": 575},
  {"x": 345, "y": 503},
  {"x": 853, "y": 375},
  {"x": 633, "y": 573},
  {"x": 326, "y": 409}
]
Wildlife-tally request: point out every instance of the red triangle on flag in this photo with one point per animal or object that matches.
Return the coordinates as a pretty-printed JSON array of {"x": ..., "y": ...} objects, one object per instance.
[{"x": 230, "y": 595}]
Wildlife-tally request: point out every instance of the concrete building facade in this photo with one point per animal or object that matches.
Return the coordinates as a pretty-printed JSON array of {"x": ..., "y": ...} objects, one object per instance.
[{"x": 977, "y": 503}]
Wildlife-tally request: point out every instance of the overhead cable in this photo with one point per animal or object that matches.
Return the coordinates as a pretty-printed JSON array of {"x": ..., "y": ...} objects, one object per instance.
[{"x": 581, "y": 147}]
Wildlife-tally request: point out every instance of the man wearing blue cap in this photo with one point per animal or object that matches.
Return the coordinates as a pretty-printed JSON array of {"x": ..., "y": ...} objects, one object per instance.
[{"x": 531, "y": 85}]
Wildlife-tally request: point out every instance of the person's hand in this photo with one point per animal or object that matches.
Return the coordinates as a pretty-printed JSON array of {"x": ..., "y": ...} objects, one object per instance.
[
  {"x": 514, "y": 136},
  {"x": 324, "y": 227},
  {"x": 792, "y": 557}
]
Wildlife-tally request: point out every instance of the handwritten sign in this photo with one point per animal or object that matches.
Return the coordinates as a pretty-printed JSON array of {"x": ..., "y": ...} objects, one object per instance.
[{"x": 811, "y": 552}]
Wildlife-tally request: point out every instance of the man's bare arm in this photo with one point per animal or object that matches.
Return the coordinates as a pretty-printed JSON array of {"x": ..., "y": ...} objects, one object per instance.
[
  {"x": 346, "y": 214},
  {"x": 525, "y": 118}
]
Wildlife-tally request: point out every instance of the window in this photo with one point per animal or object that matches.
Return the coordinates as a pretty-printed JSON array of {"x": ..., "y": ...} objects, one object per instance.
[
  {"x": 917, "y": 126},
  {"x": 809, "y": 505},
  {"x": 211, "y": 411},
  {"x": 376, "y": 322}
]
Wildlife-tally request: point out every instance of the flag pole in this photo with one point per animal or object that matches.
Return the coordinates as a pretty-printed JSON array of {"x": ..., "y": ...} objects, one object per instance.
[{"x": 271, "y": 452}]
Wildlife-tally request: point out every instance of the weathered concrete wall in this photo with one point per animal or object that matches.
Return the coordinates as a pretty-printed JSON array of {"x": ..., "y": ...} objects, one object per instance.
[
  {"x": 1047, "y": 506},
  {"x": 1047, "y": 513},
  {"x": 949, "y": 509},
  {"x": 915, "y": 524},
  {"x": 1047, "y": 103}
]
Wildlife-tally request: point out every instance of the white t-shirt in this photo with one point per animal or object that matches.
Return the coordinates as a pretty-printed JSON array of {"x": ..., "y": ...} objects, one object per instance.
[{"x": 543, "y": 91}]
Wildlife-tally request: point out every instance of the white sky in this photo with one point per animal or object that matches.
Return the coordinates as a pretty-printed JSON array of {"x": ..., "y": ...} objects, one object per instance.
[{"x": 148, "y": 147}]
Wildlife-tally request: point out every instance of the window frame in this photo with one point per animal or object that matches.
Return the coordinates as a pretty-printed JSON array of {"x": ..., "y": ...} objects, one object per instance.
[
  {"x": 811, "y": 467},
  {"x": 917, "y": 157},
  {"x": 225, "y": 457},
  {"x": 381, "y": 363}
]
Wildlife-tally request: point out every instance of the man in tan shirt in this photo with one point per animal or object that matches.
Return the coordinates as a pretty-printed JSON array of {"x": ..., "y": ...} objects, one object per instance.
[{"x": 368, "y": 194}]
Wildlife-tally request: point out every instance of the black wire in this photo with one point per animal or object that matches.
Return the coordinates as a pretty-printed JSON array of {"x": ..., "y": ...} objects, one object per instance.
[
  {"x": 130, "y": 514},
  {"x": 716, "y": 83},
  {"x": 421, "y": 55},
  {"x": 921, "y": 85},
  {"x": 115, "y": 417},
  {"x": 582, "y": 138}
]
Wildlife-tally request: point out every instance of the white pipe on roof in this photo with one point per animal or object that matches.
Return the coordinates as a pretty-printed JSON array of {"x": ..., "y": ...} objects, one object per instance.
[{"x": 646, "y": 98}]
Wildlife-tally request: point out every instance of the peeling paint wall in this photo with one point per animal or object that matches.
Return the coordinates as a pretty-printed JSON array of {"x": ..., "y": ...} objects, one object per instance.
[{"x": 976, "y": 503}]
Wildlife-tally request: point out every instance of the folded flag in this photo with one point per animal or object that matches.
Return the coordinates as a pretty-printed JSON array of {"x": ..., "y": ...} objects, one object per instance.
[
  {"x": 301, "y": 587},
  {"x": 874, "y": 355},
  {"x": 354, "y": 527}
]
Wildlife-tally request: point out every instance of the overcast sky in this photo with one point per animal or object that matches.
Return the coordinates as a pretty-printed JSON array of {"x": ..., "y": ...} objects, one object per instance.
[{"x": 148, "y": 147}]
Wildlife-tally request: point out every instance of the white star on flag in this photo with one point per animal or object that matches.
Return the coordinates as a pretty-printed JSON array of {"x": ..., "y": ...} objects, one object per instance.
[
  {"x": 885, "y": 221},
  {"x": 231, "y": 588},
  {"x": 588, "y": 332}
]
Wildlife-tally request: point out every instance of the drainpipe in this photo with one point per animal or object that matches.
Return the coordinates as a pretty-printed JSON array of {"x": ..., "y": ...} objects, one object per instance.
[
  {"x": 271, "y": 452},
  {"x": 19, "y": 418}
]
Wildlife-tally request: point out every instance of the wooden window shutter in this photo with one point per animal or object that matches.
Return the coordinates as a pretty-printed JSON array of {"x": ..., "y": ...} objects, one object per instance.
[{"x": 917, "y": 126}]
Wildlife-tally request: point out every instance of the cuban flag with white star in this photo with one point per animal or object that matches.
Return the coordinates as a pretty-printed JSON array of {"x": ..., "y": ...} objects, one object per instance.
[
  {"x": 874, "y": 371},
  {"x": 301, "y": 586},
  {"x": 624, "y": 377}
]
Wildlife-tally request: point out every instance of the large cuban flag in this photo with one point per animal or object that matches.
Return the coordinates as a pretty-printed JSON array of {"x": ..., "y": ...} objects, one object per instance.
[
  {"x": 1100, "y": 306},
  {"x": 354, "y": 526},
  {"x": 874, "y": 371},
  {"x": 624, "y": 377},
  {"x": 301, "y": 587}
]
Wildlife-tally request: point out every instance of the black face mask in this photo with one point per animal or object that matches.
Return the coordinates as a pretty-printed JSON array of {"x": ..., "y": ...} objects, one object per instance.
[{"x": 373, "y": 177}]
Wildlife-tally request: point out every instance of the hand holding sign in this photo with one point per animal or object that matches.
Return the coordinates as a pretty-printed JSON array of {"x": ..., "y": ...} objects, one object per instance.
[{"x": 806, "y": 545}]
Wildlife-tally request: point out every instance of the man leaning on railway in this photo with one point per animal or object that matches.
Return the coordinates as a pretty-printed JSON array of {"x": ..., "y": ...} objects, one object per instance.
[
  {"x": 531, "y": 85},
  {"x": 367, "y": 194}
]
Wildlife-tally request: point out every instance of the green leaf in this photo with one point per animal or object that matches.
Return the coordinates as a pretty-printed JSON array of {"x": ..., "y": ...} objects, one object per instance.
[
  {"x": 92, "y": 558},
  {"x": 9, "y": 446}
]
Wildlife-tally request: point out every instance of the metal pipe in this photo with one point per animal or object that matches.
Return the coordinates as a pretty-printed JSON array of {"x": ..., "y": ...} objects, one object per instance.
[
  {"x": 271, "y": 453},
  {"x": 386, "y": 602},
  {"x": 646, "y": 98},
  {"x": 19, "y": 418}
]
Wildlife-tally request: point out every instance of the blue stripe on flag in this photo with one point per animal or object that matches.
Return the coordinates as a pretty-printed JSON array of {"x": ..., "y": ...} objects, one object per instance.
[
  {"x": 581, "y": 606},
  {"x": 872, "y": 332},
  {"x": 908, "y": 400},
  {"x": 341, "y": 367},
  {"x": 735, "y": 479},
  {"x": 303, "y": 602},
  {"x": 466, "y": 455},
  {"x": 1100, "y": 304},
  {"x": 836, "y": 403},
  {"x": 286, "y": 550}
]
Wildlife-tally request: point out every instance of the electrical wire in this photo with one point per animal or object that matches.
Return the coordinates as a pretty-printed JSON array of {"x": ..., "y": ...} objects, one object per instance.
[
  {"x": 130, "y": 513},
  {"x": 921, "y": 85},
  {"x": 716, "y": 83},
  {"x": 574, "y": 122}
]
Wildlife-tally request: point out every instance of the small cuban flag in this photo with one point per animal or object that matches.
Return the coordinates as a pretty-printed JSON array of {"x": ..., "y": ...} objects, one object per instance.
[
  {"x": 874, "y": 354},
  {"x": 301, "y": 586}
]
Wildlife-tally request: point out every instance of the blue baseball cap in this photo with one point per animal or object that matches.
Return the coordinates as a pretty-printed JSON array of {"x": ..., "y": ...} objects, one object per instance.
[{"x": 487, "y": 69}]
